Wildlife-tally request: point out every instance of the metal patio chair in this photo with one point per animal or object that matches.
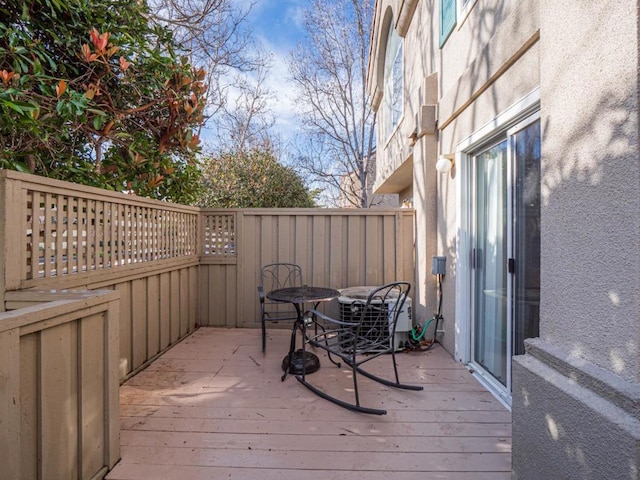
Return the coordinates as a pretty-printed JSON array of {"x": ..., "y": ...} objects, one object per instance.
[
  {"x": 368, "y": 334},
  {"x": 272, "y": 277}
]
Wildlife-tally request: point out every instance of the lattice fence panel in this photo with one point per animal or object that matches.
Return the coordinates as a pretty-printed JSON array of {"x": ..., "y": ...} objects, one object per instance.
[
  {"x": 67, "y": 234},
  {"x": 219, "y": 234}
]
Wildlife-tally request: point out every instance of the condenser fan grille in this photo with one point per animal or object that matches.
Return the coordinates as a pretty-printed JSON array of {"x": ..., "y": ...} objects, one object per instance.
[{"x": 374, "y": 323}]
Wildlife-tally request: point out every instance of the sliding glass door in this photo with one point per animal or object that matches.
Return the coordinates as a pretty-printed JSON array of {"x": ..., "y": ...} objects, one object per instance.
[
  {"x": 526, "y": 245},
  {"x": 488, "y": 258},
  {"x": 505, "y": 254}
]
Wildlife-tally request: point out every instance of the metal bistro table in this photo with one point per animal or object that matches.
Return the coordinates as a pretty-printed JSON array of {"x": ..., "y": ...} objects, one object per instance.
[{"x": 295, "y": 361}]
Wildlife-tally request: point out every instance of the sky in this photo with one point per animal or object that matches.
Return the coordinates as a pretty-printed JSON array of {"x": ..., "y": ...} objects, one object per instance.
[
  {"x": 277, "y": 27},
  {"x": 277, "y": 22}
]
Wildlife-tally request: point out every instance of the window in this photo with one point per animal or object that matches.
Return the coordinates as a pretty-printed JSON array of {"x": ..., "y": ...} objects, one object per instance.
[
  {"x": 393, "y": 83},
  {"x": 447, "y": 19}
]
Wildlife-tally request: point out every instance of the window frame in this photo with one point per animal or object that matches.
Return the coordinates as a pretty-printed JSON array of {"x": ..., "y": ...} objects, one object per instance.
[
  {"x": 448, "y": 23},
  {"x": 526, "y": 110},
  {"x": 522, "y": 109},
  {"x": 392, "y": 105}
]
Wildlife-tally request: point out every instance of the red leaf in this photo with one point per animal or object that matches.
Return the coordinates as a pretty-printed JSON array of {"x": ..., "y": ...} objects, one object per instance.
[
  {"x": 124, "y": 64},
  {"x": 6, "y": 76},
  {"x": 61, "y": 88},
  {"x": 87, "y": 55},
  {"x": 194, "y": 142},
  {"x": 99, "y": 40},
  {"x": 95, "y": 36}
]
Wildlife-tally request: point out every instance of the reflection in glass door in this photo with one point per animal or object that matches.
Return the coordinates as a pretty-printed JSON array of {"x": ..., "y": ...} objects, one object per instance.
[
  {"x": 489, "y": 255},
  {"x": 505, "y": 253},
  {"x": 526, "y": 235}
]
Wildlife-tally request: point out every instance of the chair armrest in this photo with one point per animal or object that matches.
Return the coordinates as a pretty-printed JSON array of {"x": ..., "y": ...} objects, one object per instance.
[
  {"x": 328, "y": 319},
  {"x": 261, "y": 293}
]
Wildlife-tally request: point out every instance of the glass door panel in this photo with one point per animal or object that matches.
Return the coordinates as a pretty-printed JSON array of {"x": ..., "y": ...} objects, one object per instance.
[
  {"x": 490, "y": 333},
  {"x": 527, "y": 235},
  {"x": 505, "y": 251}
]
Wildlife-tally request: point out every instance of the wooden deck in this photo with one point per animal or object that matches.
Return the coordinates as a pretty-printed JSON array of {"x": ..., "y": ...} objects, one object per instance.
[{"x": 213, "y": 407}]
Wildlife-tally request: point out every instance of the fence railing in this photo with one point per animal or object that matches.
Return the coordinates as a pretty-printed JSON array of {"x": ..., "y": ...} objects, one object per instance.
[
  {"x": 61, "y": 234},
  {"x": 57, "y": 235}
]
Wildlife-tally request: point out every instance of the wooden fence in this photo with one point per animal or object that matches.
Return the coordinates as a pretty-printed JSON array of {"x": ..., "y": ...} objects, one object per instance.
[
  {"x": 59, "y": 235},
  {"x": 59, "y": 412},
  {"x": 161, "y": 270},
  {"x": 336, "y": 248},
  {"x": 176, "y": 267}
]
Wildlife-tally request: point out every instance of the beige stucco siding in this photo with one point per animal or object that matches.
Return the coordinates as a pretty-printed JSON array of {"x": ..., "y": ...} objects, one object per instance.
[
  {"x": 591, "y": 184},
  {"x": 490, "y": 41}
]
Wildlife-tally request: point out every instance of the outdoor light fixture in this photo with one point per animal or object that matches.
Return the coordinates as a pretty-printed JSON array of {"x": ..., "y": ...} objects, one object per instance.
[{"x": 445, "y": 162}]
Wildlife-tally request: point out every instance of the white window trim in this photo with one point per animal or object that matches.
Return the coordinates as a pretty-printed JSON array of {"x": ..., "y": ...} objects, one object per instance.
[
  {"x": 387, "y": 109},
  {"x": 522, "y": 108},
  {"x": 512, "y": 115}
]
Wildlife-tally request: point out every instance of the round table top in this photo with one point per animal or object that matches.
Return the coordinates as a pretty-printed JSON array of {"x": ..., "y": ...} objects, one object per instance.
[{"x": 303, "y": 294}]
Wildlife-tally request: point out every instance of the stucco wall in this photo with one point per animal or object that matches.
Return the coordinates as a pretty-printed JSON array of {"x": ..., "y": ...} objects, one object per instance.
[
  {"x": 512, "y": 85},
  {"x": 498, "y": 66},
  {"x": 576, "y": 391},
  {"x": 572, "y": 420},
  {"x": 591, "y": 182}
]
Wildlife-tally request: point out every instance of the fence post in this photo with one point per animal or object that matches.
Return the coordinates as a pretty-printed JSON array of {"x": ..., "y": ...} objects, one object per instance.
[
  {"x": 240, "y": 320},
  {"x": 399, "y": 250},
  {"x": 200, "y": 233},
  {"x": 11, "y": 235},
  {"x": 112, "y": 383},
  {"x": 3, "y": 239},
  {"x": 10, "y": 456}
]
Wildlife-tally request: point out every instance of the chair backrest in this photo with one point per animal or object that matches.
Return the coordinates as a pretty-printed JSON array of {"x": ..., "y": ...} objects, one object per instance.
[
  {"x": 280, "y": 275},
  {"x": 379, "y": 315}
]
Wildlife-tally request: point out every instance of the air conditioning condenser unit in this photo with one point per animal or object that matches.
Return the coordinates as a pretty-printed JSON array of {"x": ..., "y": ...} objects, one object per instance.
[{"x": 348, "y": 296}]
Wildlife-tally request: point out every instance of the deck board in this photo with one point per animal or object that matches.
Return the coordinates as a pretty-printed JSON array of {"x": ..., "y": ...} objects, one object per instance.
[{"x": 213, "y": 406}]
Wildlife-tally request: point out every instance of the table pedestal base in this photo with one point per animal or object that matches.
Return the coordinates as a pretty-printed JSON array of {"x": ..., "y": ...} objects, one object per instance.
[{"x": 309, "y": 362}]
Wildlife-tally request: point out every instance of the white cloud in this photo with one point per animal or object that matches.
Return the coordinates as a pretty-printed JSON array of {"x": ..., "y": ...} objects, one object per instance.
[
  {"x": 294, "y": 14},
  {"x": 283, "y": 104}
]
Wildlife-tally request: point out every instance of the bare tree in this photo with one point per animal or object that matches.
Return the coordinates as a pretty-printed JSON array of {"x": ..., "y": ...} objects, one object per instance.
[
  {"x": 245, "y": 121},
  {"x": 213, "y": 34},
  {"x": 329, "y": 69}
]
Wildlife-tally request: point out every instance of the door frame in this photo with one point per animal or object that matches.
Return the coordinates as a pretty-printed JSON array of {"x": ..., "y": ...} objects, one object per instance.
[{"x": 522, "y": 112}]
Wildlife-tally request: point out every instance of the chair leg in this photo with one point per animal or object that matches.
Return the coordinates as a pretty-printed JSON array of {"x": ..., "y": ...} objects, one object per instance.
[
  {"x": 386, "y": 382},
  {"x": 348, "y": 406},
  {"x": 395, "y": 365},
  {"x": 264, "y": 335},
  {"x": 354, "y": 373}
]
